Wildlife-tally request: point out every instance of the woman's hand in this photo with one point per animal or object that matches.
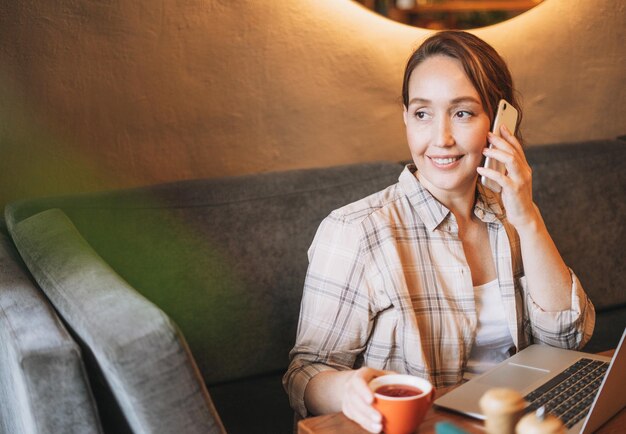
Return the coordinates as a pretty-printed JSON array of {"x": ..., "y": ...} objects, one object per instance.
[
  {"x": 357, "y": 399},
  {"x": 549, "y": 279},
  {"x": 516, "y": 183}
]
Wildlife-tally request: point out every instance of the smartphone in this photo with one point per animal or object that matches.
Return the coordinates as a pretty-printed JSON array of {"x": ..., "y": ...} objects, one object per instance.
[{"x": 505, "y": 115}]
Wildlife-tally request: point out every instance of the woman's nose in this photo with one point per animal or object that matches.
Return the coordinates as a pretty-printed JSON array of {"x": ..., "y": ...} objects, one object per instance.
[{"x": 443, "y": 133}]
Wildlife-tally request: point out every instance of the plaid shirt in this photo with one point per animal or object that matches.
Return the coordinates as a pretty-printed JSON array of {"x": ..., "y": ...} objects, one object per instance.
[{"x": 388, "y": 287}]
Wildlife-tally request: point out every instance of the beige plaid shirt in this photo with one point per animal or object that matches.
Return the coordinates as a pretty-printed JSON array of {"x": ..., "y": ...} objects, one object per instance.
[{"x": 388, "y": 287}]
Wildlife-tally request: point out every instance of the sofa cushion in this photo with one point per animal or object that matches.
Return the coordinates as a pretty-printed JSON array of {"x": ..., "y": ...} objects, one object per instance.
[
  {"x": 580, "y": 189},
  {"x": 224, "y": 258},
  {"x": 43, "y": 383},
  {"x": 140, "y": 354}
]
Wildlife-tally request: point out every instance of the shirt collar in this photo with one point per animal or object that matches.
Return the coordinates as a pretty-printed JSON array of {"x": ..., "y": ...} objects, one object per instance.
[{"x": 432, "y": 213}]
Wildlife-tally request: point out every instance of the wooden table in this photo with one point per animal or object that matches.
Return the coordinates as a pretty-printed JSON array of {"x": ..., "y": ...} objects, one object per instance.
[{"x": 338, "y": 423}]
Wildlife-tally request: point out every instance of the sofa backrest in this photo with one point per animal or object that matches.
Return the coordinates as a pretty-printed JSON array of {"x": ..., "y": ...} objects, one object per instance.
[
  {"x": 580, "y": 189},
  {"x": 226, "y": 258}
]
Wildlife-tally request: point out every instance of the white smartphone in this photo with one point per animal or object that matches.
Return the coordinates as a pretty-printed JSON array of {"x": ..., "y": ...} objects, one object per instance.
[{"x": 506, "y": 115}]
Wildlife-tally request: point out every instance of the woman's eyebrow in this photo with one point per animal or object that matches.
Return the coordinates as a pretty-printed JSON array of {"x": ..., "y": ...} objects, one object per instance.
[
  {"x": 458, "y": 100},
  {"x": 463, "y": 99},
  {"x": 419, "y": 101}
]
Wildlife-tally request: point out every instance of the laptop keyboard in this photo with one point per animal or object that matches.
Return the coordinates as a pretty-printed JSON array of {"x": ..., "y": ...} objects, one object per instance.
[{"x": 570, "y": 394}]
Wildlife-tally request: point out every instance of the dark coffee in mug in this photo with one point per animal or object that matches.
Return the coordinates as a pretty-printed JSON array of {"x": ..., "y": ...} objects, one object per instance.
[{"x": 398, "y": 390}]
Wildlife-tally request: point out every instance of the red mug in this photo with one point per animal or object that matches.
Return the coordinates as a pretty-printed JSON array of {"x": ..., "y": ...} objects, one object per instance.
[{"x": 403, "y": 401}]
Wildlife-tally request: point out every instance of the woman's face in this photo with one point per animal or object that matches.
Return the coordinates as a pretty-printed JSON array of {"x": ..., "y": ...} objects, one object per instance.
[{"x": 446, "y": 126}]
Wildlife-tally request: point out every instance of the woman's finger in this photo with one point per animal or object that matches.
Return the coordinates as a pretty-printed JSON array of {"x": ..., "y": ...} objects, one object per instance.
[
  {"x": 363, "y": 414},
  {"x": 510, "y": 138},
  {"x": 358, "y": 400},
  {"x": 516, "y": 169},
  {"x": 501, "y": 179},
  {"x": 503, "y": 156},
  {"x": 507, "y": 142},
  {"x": 359, "y": 408}
]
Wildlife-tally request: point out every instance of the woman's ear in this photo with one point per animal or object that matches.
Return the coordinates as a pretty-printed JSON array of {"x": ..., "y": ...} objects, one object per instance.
[{"x": 404, "y": 115}]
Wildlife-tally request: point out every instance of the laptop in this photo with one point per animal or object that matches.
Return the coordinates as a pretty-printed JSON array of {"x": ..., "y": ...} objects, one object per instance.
[{"x": 584, "y": 390}]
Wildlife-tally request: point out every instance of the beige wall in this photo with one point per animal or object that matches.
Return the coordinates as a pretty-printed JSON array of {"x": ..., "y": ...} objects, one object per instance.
[{"x": 98, "y": 95}]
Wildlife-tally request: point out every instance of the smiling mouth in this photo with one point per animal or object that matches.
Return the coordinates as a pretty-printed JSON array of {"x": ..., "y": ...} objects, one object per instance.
[{"x": 445, "y": 161}]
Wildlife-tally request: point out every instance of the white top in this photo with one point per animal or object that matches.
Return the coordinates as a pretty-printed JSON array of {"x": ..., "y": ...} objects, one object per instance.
[{"x": 493, "y": 342}]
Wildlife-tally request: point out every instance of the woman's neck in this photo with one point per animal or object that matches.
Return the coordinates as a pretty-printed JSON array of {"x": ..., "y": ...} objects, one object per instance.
[{"x": 460, "y": 203}]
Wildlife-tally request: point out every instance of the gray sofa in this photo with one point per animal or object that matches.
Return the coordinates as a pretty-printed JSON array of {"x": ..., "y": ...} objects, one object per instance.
[{"x": 172, "y": 308}]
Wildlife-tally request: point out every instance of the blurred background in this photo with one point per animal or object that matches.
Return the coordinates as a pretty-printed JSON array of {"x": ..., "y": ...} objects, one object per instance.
[{"x": 104, "y": 95}]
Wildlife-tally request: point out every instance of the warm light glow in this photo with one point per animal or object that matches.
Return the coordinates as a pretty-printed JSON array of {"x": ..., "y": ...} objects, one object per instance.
[{"x": 440, "y": 14}]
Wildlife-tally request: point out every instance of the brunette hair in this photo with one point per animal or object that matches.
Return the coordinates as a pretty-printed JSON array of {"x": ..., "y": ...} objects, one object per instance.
[{"x": 484, "y": 67}]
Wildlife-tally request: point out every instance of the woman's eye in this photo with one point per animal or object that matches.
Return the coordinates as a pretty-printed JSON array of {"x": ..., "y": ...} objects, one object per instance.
[
  {"x": 420, "y": 115},
  {"x": 463, "y": 114}
]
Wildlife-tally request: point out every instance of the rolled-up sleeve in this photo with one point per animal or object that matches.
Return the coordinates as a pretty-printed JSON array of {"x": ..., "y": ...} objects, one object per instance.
[
  {"x": 335, "y": 313},
  {"x": 571, "y": 328}
]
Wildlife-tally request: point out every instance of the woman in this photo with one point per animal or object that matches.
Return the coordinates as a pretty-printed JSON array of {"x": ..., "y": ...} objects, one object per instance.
[{"x": 434, "y": 276}]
